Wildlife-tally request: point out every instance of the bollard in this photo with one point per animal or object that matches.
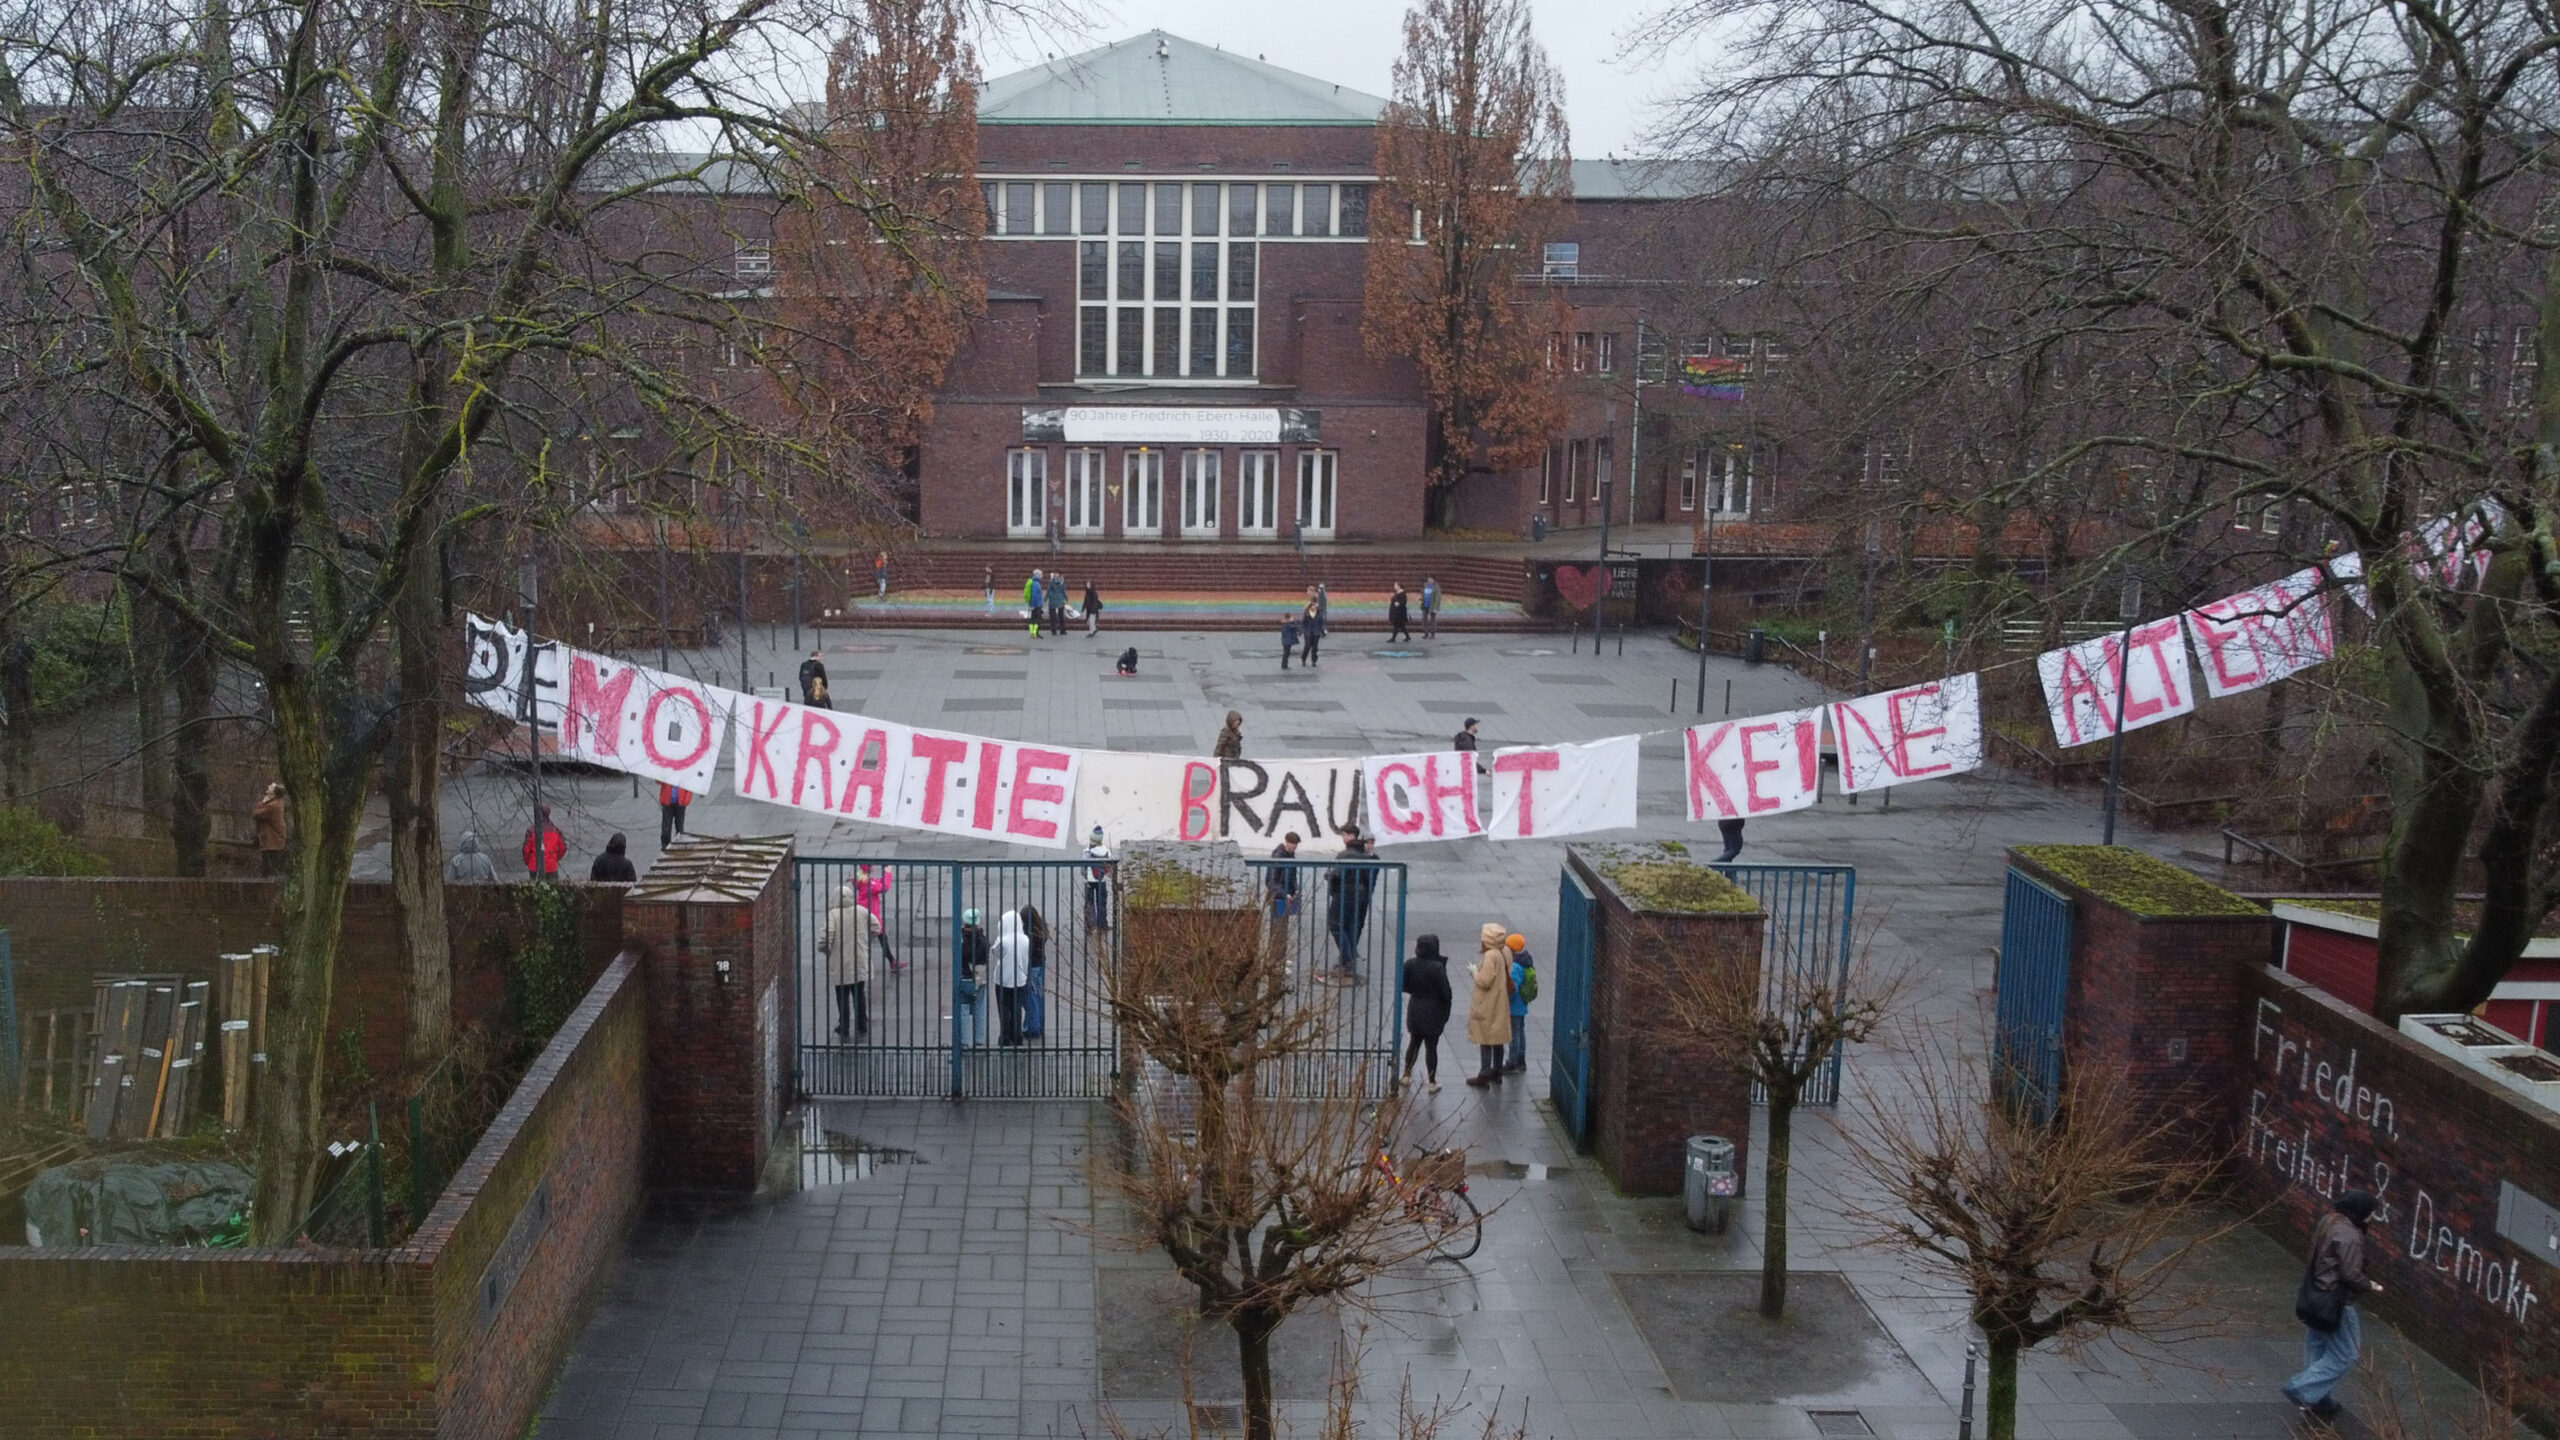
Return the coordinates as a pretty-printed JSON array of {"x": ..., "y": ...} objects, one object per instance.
[
  {"x": 1964, "y": 1416},
  {"x": 1675, "y": 697},
  {"x": 1728, "y": 697}
]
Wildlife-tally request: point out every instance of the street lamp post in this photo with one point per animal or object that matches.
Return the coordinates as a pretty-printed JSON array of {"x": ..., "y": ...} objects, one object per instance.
[
  {"x": 1706, "y": 598},
  {"x": 2128, "y": 610}
]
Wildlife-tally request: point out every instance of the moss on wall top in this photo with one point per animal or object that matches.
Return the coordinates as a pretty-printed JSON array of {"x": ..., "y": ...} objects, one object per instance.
[
  {"x": 1674, "y": 886},
  {"x": 2139, "y": 882}
]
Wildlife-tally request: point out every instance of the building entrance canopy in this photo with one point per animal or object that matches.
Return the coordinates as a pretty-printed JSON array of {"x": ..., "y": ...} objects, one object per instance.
[{"x": 1172, "y": 425}]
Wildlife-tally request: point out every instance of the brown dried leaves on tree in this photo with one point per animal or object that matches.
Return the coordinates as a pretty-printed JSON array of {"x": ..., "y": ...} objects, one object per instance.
[{"x": 1473, "y": 143}]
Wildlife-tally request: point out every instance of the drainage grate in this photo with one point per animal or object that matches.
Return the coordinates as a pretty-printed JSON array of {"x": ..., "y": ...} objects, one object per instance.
[{"x": 1839, "y": 1422}]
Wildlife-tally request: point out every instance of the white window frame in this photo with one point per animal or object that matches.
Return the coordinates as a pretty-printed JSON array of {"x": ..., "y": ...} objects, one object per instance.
[
  {"x": 1729, "y": 477},
  {"x": 1689, "y": 481},
  {"x": 753, "y": 260},
  {"x": 1086, "y": 484},
  {"x": 1258, "y": 495},
  {"x": 1562, "y": 260},
  {"x": 1575, "y": 452},
  {"x": 1200, "y": 480},
  {"x": 1547, "y": 472},
  {"x": 1142, "y": 493},
  {"x": 1319, "y": 492},
  {"x": 1026, "y": 491},
  {"x": 1608, "y": 352}
]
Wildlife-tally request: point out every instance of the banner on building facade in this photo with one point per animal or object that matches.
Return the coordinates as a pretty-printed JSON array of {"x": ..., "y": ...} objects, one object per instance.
[
  {"x": 1172, "y": 425},
  {"x": 1541, "y": 791},
  {"x": 1919, "y": 732},
  {"x": 1765, "y": 765}
]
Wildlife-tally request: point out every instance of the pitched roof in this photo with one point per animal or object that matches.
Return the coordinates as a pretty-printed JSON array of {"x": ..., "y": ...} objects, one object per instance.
[
  {"x": 1162, "y": 79},
  {"x": 1616, "y": 179}
]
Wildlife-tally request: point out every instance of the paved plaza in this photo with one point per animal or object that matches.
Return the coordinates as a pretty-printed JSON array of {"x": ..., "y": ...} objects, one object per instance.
[{"x": 945, "y": 1269}]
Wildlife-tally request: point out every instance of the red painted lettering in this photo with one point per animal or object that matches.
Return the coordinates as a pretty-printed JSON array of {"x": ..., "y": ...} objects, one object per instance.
[
  {"x": 1899, "y": 757},
  {"x": 759, "y": 736},
  {"x": 1401, "y": 822},
  {"x": 1026, "y": 762},
  {"x": 815, "y": 750},
  {"x": 1528, "y": 765},
  {"x": 2221, "y": 642},
  {"x": 2156, "y": 637},
  {"x": 1199, "y": 786},
  {"x": 1753, "y": 767},
  {"x": 2075, "y": 682},
  {"x": 937, "y": 754},
  {"x": 1703, "y": 784},
  {"x": 1809, "y": 754},
  {"x": 598, "y": 704},
  {"x": 870, "y": 772},
  {"x": 982, "y": 814},
  {"x": 701, "y": 729},
  {"x": 1462, "y": 790}
]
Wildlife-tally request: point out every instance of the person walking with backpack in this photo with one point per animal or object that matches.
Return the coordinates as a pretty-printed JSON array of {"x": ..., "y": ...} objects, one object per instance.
[
  {"x": 1489, "y": 1004},
  {"x": 2332, "y": 1335},
  {"x": 1426, "y": 1011},
  {"x": 1524, "y": 988}
]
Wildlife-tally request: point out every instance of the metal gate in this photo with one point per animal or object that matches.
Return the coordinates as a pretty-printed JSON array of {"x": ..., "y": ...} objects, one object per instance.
[
  {"x": 914, "y": 1024},
  {"x": 1805, "y": 944},
  {"x": 1569, "y": 1077},
  {"x": 2035, "y": 974}
]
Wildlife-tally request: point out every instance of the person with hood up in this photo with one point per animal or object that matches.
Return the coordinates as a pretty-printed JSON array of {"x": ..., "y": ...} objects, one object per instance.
[
  {"x": 969, "y": 992},
  {"x": 1009, "y": 970},
  {"x": 1230, "y": 743},
  {"x": 1399, "y": 615},
  {"x": 1426, "y": 1011},
  {"x": 614, "y": 866},
  {"x": 1489, "y": 1004},
  {"x": 470, "y": 864},
  {"x": 544, "y": 846},
  {"x": 871, "y": 887},
  {"x": 1524, "y": 973},
  {"x": 844, "y": 948},
  {"x": 2332, "y": 1336}
]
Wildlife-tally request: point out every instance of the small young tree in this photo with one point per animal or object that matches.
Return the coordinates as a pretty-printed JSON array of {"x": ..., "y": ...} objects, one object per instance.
[
  {"x": 2056, "y": 1233},
  {"x": 1264, "y": 1199},
  {"x": 1778, "y": 1035},
  {"x": 1473, "y": 156}
]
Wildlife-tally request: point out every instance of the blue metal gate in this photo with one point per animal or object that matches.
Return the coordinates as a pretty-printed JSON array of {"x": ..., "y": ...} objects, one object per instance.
[
  {"x": 2035, "y": 974},
  {"x": 1805, "y": 946},
  {"x": 1569, "y": 1078}
]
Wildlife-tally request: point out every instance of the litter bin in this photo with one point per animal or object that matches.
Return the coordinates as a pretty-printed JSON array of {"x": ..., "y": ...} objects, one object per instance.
[
  {"x": 1709, "y": 1182},
  {"x": 1755, "y": 646}
]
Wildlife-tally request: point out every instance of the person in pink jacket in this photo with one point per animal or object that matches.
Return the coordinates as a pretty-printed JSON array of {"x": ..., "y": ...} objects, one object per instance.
[{"x": 869, "y": 887}]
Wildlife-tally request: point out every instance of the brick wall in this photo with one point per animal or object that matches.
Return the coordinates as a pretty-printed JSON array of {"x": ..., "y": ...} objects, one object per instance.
[
  {"x": 387, "y": 1345},
  {"x": 2328, "y": 1099},
  {"x": 719, "y": 1044},
  {"x": 1651, "y": 1085},
  {"x": 67, "y": 930}
]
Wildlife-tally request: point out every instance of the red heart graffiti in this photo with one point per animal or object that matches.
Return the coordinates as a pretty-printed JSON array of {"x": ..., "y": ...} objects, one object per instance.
[{"x": 1582, "y": 585}]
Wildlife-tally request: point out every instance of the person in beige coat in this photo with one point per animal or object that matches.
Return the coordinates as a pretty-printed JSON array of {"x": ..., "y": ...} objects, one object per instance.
[
  {"x": 1489, "y": 1004},
  {"x": 844, "y": 950}
]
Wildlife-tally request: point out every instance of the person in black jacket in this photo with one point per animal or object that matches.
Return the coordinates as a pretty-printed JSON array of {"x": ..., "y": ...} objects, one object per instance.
[
  {"x": 614, "y": 865},
  {"x": 1464, "y": 742},
  {"x": 813, "y": 679},
  {"x": 1348, "y": 890},
  {"x": 1426, "y": 1012},
  {"x": 1399, "y": 615}
]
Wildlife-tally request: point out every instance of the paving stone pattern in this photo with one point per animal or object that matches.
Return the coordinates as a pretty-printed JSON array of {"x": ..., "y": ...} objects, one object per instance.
[{"x": 956, "y": 1295}]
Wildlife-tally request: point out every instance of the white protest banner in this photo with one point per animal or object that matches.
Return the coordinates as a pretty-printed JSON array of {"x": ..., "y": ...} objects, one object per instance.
[
  {"x": 1765, "y": 765},
  {"x": 1006, "y": 790},
  {"x": 2080, "y": 682},
  {"x": 1261, "y": 800},
  {"x": 1146, "y": 797},
  {"x": 493, "y": 665},
  {"x": 830, "y": 761},
  {"x": 1919, "y": 732},
  {"x": 641, "y": 721},
  {"x": 2348, "y": 570},
  {"x": 1542, "y": 790},
  {"x": 1428, "y": 796},
  {"x": 2263, "y": 634}
]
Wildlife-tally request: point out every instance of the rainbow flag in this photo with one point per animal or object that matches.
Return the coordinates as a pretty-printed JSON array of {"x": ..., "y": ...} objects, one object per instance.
[{"x": 1716, "y": 377}]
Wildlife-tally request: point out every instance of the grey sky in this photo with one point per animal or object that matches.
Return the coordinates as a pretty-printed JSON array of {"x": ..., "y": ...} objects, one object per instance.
[{"x": 1609, "y": 103}]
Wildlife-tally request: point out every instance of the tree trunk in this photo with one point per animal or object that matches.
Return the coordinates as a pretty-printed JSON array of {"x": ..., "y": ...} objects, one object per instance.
[
  {"x": 147, "y": 646},
  {"x": 1253, "y": 1356},
  {"x": 2000, "y": 1400},
  {"x": 192, "y": 676},
  {"x": 325, "y": 776},
  {"x": 1773, "y": 1198},
  {"x": 417, "y": 836},
  {"x": 18, "y": 699},
  {"x": 2435, "y": 799}
]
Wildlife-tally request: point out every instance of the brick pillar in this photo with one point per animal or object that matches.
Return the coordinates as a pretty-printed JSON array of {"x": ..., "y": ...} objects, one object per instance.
[
  {"x": 1652, "y": 1085},
  {"x": 2158, "y": 964},
  {"x": 711, "y": 922}
]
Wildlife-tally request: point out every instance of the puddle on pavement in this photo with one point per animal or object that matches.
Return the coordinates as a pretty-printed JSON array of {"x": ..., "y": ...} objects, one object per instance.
[
  {"x": 1515, "y": 1170},
  {"x": 831, "y": 1157}
]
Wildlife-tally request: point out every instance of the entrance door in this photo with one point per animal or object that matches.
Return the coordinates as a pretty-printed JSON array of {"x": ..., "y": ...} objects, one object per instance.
[
  {"x": 1569, "y": 1078},
  {"x": 1200, "y": 494},
  {"x": 1026, "y": 505},
  {"x": 1084, "y": 492},
  {"x": 1315, "y": 492},
  {"x": 1258, "y": 495},
  {"x": 1142, "y": 494}
]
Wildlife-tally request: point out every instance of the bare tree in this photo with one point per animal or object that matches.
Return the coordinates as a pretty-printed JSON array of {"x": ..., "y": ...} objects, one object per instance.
[
  {"x": 1474, "y": 160},
  {"x": 2329, "y": 241},
  {"x": 1261, "y": 1189},
  {"x": 2056, "y": 1233},
  {"x": 1778, "y": 1032}
]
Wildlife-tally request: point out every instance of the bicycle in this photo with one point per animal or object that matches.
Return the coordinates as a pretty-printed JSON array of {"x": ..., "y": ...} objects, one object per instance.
[{"x": 1433, "y": 1192}]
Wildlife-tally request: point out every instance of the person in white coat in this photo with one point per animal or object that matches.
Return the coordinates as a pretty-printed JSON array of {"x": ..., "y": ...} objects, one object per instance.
[
  {"x": 1009, "y": 970},
  {"x": 844, "y": 960}
]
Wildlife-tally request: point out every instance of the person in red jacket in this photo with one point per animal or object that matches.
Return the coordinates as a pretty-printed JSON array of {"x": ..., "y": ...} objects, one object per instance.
[
  {"x": 671, "y": 802},
  {"x": 544, "y": 846}
]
